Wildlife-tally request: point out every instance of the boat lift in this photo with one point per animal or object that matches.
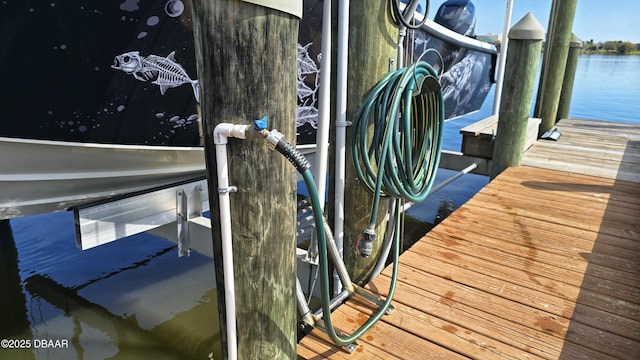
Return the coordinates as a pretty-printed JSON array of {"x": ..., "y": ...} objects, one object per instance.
[{"x": 175, "y": 213}]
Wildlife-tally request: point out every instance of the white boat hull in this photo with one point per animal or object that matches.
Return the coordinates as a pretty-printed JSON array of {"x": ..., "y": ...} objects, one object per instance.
[{"x": 38, "y": 176}]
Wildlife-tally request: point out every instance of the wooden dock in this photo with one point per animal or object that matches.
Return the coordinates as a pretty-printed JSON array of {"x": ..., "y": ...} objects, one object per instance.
[
  {"x": 598, "y": 148},
  {"x": 543, "y": 263}
]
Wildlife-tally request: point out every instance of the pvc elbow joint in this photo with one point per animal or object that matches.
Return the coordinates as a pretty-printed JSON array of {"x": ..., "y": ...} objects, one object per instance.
[{"x": 223, "y": 131}]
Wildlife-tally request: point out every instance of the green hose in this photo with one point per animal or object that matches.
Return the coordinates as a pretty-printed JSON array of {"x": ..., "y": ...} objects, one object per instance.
[
  {"x": 324, "y": 269},
  {"x": 402, "y": 157}
]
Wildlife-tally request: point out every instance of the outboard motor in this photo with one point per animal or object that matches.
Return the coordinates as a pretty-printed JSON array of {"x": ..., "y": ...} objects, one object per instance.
[{"x": 459, "y": 16}]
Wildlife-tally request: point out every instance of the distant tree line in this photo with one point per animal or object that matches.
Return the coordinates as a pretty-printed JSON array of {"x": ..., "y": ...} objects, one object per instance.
[
  {"x": 618, "y": 47},
  {"x": 611, "y": 47}
]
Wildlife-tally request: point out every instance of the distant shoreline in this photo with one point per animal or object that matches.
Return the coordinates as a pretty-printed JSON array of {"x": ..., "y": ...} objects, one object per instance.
[{"x": 604, "y": 52}]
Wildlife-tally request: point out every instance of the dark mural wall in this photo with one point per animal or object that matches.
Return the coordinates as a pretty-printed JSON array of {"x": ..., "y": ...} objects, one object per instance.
[
  {"x": 58, "y": 83},
  {"x": 124, "y": 72}
]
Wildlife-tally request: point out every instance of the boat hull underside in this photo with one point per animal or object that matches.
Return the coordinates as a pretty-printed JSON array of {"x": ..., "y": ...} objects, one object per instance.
[{"x": 46, "y": 176}]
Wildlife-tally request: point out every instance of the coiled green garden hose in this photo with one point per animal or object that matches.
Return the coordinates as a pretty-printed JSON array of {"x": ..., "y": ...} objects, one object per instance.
[{"x": 400, "y": 156}]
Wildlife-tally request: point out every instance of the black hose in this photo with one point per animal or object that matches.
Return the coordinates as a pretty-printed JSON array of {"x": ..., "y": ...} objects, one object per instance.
[{"x": 405, "y": 18}]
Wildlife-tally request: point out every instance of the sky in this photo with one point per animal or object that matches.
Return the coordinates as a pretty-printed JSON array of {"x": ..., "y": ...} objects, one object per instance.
[{"x": 597, "y": 20}]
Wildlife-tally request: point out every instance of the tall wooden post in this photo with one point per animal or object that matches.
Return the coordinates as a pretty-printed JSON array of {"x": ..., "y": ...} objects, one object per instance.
[
  {"x": 525, "y": 44},
  {"x": 575, "y": 47},
  {"x": 246, "y": 56},
  {"x": 555, "y": 60},
  {"x": 372, "y": 46}
]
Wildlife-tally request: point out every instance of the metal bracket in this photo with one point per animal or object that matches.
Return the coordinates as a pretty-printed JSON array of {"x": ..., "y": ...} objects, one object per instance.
[
  {"x": 305, "y": 225},
  {"x": 230, "y": 189},
  {"x": 372, "y": 298},
  {"x": 187, "y": 207},
  {"x": 351, "y": 347},
  {"x": 182, "y": 212},
  {"x": 312, "y": 253},
  {"x": 552, "y": 134}
]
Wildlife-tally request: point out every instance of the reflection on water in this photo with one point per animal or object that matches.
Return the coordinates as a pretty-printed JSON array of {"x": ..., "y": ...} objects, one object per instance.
[
  {"x": 12, "y": 302},
  {"x": 450, "y": 197},
  {"x": 133, "y": 299}
]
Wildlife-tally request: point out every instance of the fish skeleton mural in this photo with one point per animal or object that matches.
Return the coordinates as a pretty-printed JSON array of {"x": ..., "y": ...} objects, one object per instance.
[{"x": 162, "y": 71}]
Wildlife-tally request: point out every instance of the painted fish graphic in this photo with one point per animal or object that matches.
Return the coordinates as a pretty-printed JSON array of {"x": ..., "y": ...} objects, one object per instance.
[{"x": 162, "y": 71}]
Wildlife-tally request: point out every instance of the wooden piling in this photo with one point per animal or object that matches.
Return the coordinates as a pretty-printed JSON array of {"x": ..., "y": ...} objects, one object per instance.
[
  {"x": 575, "y": 48},
  {"x": 525, "y": 44},
  {"x": 555, "y": 59},
  {"x": 372, "y": 47},
  {"x": 246, "y": 56}
]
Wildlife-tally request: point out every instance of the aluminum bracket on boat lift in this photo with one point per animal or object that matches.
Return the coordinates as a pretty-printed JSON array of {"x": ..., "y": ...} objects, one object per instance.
[
  {"x": 174, "y": 208},
  {"x": 184, "y": 214}
]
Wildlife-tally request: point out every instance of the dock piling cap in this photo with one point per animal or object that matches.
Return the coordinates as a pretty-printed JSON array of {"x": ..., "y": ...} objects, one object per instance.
[
  {"x": 528, "y": 28},
  {"x": 293, "y": 7},
  {"x": 576, "y": 42}
]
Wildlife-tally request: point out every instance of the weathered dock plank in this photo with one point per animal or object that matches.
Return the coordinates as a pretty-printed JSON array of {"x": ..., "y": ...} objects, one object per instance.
[{"x": 599, "y": 148}]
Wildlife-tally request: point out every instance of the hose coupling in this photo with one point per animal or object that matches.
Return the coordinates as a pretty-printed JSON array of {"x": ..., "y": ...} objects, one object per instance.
[
  {"x": 273, "y": 139},
  {"x": 276, "y": 141},
  {"x": 365, "y": 242}
]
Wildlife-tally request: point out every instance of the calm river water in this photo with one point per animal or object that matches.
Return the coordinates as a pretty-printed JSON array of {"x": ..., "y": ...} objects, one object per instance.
[{"x": 136, "y": 298}]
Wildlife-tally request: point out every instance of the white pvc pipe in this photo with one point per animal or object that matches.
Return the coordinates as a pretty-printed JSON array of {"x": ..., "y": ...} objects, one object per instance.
[
  {"x": 402, "y": 32},
  {"x": 502, "y": 58},
  {"x": 324, "y": 106},
  {"x": 220, "y": 134},
  {"x": 341, "y": 130}
]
